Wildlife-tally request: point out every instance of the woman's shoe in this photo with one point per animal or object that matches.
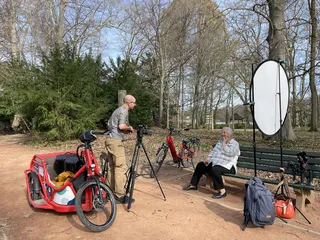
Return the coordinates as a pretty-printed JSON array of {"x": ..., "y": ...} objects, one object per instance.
[
  {"x": 220, "y": 195},
  {"x": 189, "y": 187}
]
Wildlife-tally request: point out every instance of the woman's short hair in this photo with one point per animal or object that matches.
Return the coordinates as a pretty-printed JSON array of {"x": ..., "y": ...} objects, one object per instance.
[{"x": 229, "y": 130}]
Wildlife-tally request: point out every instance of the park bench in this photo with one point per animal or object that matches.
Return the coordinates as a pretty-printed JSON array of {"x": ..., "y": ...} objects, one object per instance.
[{"x": 303, "y": 170}]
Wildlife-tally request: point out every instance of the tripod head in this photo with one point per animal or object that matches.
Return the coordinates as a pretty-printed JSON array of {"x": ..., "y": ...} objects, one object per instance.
[{"x": 143, "y": 130}]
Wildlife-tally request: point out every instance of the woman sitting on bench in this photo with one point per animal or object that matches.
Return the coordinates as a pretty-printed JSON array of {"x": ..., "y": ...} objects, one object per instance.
[{"x": 222, "y": 159}]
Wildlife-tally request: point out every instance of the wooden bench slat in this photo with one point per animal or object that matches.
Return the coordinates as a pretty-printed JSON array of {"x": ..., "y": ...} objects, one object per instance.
[
  {"x": 313, "y": 155},
  {"x": 269, "y": 160},
  {"x": 299, "y": 186},
  {"x": 269, "y": 150},
  {"x": 269, "y": 156}
]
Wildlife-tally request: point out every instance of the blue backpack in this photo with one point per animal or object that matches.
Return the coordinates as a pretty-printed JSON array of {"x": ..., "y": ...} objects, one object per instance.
[{"x": 258, "y": 204}]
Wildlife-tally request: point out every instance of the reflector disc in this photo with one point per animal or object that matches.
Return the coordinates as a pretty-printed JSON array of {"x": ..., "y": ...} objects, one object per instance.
[{"x": 269, "y": 82}]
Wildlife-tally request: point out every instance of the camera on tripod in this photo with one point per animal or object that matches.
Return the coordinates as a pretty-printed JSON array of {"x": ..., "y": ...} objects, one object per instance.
[
  {"x": 132, "y": 171},
  {"x": 143, "y": 130},
  {"x": 303, "y": 159},
  {"x": 299, "y": 168}
]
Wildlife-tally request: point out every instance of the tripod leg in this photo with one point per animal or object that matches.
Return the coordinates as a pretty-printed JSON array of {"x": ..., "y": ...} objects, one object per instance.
[
  {"x": 286, "y": 187},
  {"x": 130, "y": 172},
  {"x": 302, "y": 214},
  {"x": 282, "y": 219},
  {"x": 132, "y": 175},
  {"x": 131, "y": 190},
  {"x": 131, "y": 169},
  {"x": 153, "y": 171}
]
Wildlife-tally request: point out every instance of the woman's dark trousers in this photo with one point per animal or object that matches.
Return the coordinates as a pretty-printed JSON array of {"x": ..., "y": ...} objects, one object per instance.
[
  {"x": 218, "y": 171},
  {"x": 201, "y": 169},
  {"x": 215, "y": 172}
]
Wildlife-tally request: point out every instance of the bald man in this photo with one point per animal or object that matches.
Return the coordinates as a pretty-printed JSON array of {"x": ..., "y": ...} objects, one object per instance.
[{"x": 118, "y": 125}]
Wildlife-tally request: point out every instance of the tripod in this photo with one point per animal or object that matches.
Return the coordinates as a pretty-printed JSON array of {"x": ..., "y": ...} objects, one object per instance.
[
  {"x": 283, "y": 186},
  {"x": 134, "y": 164}
]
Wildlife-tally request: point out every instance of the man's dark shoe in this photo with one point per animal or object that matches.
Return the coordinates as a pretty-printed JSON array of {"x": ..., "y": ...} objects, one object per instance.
[
  {"x": 189, "y": 187},
  {"x": 123, "y": 200},
  {"x": 220, "y": 195}
]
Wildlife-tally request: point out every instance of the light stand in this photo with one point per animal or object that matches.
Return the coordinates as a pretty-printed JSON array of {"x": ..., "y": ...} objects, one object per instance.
[
  {"x": 134, "y": 164},
  {"x": 251, "y": 104},
  {"x": 270, "y": 84},
  {"x": 279, "y": 94}
]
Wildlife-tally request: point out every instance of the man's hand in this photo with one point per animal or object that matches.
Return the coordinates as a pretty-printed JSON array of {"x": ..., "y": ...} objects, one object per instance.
[{"x": 130, "y": 130}]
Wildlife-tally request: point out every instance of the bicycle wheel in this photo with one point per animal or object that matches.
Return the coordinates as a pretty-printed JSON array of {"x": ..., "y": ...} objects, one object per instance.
[
  {"x": 160, "y": 156},
  {"x": 34, "y": 186},
  {"x": 196, "y": 149},
  {"x": 188, "y": 156},
  {"x": 102, "y": 210}
]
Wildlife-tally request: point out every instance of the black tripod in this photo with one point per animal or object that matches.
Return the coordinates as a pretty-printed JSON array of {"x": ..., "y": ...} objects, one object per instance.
[
  {"x": 142, "y": 130},
  {"x": 283, "y": 186}
]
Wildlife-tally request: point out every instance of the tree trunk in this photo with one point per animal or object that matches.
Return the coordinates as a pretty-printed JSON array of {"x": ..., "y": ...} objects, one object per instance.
[
  {"x": 210, "y": 124},
  {"x": 182, "y": 102},
  {"x": 121, "y": 95},
  {"x": 161, "y": 99},
  {"x": 13, "y": 32},
  {"x": 276, "y": 40},
  {"x": 60, "y": 27},
  {"x": 75, "y": 31},
  {"x": 178, "y": 100},
  {"x": 168, "y": 105},
  {"x": 195, "y": 105},
  {"x": 313, "y": 88}
]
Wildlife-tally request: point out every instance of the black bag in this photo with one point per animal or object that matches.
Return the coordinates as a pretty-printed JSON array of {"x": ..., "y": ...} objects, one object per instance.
[
  {"x": 79, "y": 181},
  {"x": 258, "y": 204}
]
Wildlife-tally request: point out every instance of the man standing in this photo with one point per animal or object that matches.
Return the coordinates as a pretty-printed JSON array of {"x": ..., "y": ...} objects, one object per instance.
[
  {"x": 222, "y": 159},
  {"x": 118, "y": 125}
]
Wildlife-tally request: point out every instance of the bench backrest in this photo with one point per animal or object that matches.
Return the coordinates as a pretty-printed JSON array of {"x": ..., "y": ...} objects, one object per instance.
[{"x": 268, "y": 159}]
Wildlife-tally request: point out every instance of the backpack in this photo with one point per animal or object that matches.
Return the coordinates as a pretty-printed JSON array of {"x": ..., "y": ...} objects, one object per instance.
[{"x": 258, "y": 204}]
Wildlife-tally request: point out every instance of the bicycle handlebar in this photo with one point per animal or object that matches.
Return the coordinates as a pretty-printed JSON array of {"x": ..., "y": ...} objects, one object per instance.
[
  {"x": 172, "y": 130},
  {"x": 98, "y": 133}
]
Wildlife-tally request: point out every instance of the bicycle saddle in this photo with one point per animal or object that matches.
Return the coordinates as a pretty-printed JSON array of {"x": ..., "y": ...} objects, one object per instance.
[{"x": 87, "y": 136}]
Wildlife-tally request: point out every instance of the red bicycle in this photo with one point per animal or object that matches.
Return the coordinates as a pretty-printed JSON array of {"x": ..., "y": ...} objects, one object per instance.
[{"x": 188, "y": 148}]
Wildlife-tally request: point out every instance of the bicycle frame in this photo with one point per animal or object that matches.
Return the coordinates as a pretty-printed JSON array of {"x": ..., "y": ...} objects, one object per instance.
[
  {"x": 185, "y": 155},
  {"x": 172, "y": 148},
  {"x": 177, "y": 156},
  {"x": 90, "y": 161},
  {"x": 93, "y": 172}
]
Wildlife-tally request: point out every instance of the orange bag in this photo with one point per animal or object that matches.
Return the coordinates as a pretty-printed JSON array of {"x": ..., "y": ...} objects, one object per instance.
[{"x": 284, "y": 208}]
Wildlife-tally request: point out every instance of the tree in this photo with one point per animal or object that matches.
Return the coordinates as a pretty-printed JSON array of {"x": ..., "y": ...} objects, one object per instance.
[
  {"x": 122, "y": 74},
  {"x": 61, "y": 98}
]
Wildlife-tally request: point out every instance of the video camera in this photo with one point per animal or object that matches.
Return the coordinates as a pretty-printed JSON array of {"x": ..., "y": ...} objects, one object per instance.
[
  {"x": 299, "y": 168},
  {"x": 143, "y": 130},
  {"x": 302, "y": 159}
]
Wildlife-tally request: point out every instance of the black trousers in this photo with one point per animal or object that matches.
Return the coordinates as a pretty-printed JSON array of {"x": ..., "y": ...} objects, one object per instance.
[{"x": 215, "y": 172}]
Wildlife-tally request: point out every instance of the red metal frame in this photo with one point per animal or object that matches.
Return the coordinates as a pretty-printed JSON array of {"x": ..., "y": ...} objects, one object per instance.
[{"x": 173, "y": 151}]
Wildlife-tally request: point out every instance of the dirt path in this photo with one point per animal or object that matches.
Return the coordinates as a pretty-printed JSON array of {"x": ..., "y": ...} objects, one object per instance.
[{"x": 184, "y": 215}]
